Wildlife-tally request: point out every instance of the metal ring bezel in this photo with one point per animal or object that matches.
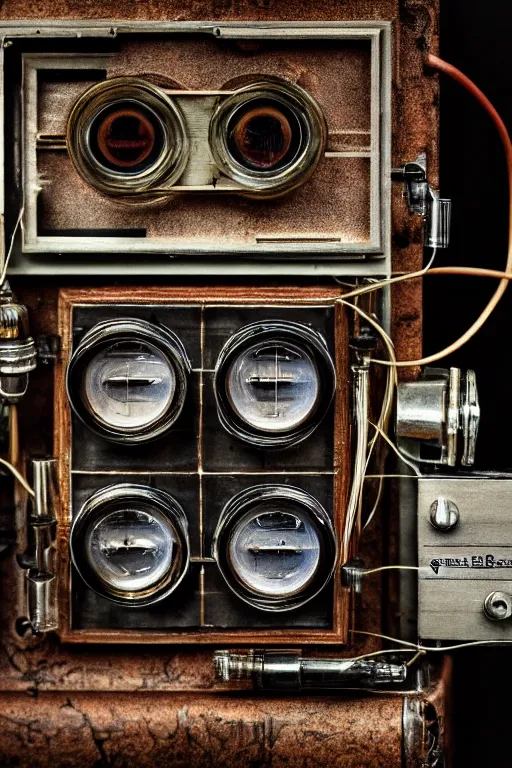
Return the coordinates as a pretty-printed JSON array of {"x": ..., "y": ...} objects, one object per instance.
[
  {"x": 312, "y": 144},
  {"x": 106, "y": 500},
  {"x": 289, "y": 495},
  {"x": 128, "y": 329},
  {"x": 174, "y": 154},
  {"x": 280, "y": 331}
]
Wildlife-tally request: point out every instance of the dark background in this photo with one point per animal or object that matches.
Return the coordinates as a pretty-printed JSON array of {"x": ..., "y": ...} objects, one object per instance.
[{"x": 475, "y": 36}]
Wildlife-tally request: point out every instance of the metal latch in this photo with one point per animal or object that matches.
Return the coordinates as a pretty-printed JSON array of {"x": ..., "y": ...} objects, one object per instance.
[{"x": 423, "y": 200}]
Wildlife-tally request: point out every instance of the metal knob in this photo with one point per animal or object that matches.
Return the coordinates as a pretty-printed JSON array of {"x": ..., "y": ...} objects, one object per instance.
[
  {"x": 498, "y": 606},
  {"x": 444, "y": 514}
]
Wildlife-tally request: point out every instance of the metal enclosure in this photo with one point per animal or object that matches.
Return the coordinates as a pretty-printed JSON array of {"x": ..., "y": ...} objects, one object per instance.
[
  {"x": 465, "y": 563},
  {"x": 67, "y": 701},
  {"x": 341, "y": 216}
]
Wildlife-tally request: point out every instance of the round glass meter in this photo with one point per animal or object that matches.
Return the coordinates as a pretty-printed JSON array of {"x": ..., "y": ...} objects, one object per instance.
[
  {"x": 275, "y": 546},
  {"x": 274, "y": 383},
  {"x": 130, "y": 543},
  {"x": 268, "y": 136},
  {"x": 126, "y": 137},
  {"x": 127, "y": 380},
  {"x": 273, "y": 387}
]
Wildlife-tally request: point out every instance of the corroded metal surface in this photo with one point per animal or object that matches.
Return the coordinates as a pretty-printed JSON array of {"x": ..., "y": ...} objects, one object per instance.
[
  {"x": 81, "y": 730},
  {"x": 147, "y": 706},
  {"x": 197, "y": 10}
]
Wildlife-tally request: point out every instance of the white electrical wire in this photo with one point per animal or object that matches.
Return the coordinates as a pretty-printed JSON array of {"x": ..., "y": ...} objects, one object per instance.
[
  {"x": 19, "y": 223},
  {"x": 387, "y": 404},
  {"x": 18, "y": 476},
  {"x": 391, "y": 568},
  {"x": 409, "y": 463},
  {"x": 431, "y": 649},
  {"x": 376, "y": 286}
]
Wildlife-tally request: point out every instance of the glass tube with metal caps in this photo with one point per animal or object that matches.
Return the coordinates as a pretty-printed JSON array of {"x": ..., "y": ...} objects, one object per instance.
[
  {"x": 126, "y": 138},
  {"x": 130, "y": 544},
  {"x": 274, "y": 383},
  {"x": 127, "y": 380},
  {"x": 290, "y": 671},
  {"x": 268, "y": 136},
  {"x": 275, "y": 546}
]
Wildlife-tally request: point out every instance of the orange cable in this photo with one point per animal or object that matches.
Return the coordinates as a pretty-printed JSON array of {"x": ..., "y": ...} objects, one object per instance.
[{"x": 442, "y": 66}]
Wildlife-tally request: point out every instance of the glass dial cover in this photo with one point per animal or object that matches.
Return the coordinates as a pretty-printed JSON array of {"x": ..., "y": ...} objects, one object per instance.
[
  {"x": 274, "y": 552},
  {"x": 275, "y": 546},
  {"x": 127, "y": 379},
  {"x": 129, "y": 385},
  {"x": 130, "y": 543},
  {"x": 274, "y": 383},
  {"x": 273, "y": 386},
  {"x": 131, "y": 550}
]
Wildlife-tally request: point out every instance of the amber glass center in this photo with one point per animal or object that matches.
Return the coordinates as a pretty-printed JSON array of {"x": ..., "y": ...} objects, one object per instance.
[
  {"x": 126, "y": 138},
  {"x": 263, "y": 136}
]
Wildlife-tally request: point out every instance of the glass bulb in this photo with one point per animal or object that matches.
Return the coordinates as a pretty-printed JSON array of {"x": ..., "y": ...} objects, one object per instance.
[
  {"x": 274, "y": 552},
  {"x": 273, "y": 386},
  {"x": 129, "y": 385}
]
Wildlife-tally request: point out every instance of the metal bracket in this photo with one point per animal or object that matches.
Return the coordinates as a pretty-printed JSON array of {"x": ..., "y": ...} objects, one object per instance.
[
  {"x": 441, "y": 411},
  {"x": 41, "y": 578},
  {"x": 48, "y": 348},
  {"x": 423, "y": 200}
]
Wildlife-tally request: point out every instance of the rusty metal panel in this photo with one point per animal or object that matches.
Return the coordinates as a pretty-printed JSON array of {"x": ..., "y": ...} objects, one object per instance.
[{"x": 150, "y": 729}]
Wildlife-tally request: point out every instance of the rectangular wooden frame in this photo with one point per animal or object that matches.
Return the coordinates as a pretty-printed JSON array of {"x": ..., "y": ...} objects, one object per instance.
[{"x": 286, "y": 296}]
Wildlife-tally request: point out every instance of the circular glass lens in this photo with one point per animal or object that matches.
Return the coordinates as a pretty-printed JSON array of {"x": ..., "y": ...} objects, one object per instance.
[
  {"x": 262, "y": 136},
  {"x": 126, "y": 137},
  {"x": 274, "y": 552},
  {"x": 273, "y": 386},
  {"x": 128, "y": 385},
  {"x": 131, "y": 550}
]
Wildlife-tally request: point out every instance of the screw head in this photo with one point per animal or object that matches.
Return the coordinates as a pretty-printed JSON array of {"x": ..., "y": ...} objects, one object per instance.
[
  {"x": 498, "y": 606},
  {"x": 444, "y": 514}
]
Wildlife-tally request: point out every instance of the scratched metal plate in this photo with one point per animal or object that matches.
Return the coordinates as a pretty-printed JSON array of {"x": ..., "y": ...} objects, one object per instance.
[{"x": 459, "y": 568}]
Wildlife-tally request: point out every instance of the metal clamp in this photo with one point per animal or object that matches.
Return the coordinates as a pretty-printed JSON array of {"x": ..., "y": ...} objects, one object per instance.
[
  {"x": 441, "y": 411},
  {"x": 424, "y": 201}
]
